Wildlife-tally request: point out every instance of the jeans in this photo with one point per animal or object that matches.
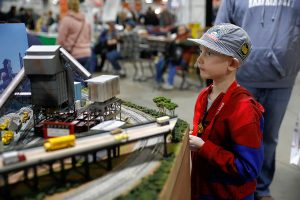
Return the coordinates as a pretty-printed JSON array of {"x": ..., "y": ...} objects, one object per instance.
[
  {"x": 85, "y": 63},
  {"x": 113, "y": 57},
  {"x": 159, "y": 70},
  {"x": 275, "y": 101},
  {"x": 89, "y": 63},
  {"x": 171, "y": 71}
]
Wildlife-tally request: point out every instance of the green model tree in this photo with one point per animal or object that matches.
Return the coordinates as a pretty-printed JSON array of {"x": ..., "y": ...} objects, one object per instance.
[
  {"x": 164, "y": 103},
  {"x": 171, "y": 107}
]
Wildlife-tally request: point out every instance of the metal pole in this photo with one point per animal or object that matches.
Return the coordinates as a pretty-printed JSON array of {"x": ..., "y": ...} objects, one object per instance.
[
  {"x": 86, "y": 166},
  {"x": 109, "y": 161}
]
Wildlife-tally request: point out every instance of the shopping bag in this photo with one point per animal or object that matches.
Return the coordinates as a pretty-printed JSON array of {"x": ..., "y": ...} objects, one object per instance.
[{"x": 295, "y": 147}]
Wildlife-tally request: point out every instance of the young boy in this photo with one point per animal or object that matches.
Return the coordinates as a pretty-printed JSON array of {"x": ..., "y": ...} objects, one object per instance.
[{"x": 226, "y": 140}]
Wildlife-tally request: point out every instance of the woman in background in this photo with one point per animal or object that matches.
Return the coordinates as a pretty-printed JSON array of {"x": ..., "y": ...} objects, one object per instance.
[{"x": 74, "y": 34}]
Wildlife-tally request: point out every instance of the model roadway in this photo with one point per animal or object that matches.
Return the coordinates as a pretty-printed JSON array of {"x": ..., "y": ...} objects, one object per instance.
[{"x": 89, "y": 143}]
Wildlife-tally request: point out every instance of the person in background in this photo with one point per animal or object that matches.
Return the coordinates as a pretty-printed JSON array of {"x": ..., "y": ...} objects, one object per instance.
[
  {"x": 74, "y": 34},
  {"x": 53, "y": 28},
  {"x": 226, "y": 139},
  {"x": 172, "y": 59},
  {"x": 125, "y": 14},
  {"x": 166, "y": 18},
  {"x": 22, "y": 15},
  {"x": 12, "y": 13},
  {"x": 129, "y": 42},
  {"x": 41, "y": 23},
  {"x": 129, "y": 26},
  {"x": 150, "y": 18},
  {"x": 270, "y": 72},
  {"x": 107, "y": 48},
  {"x": 30, "y": 19},
  {"x": 50, "y": 19}
]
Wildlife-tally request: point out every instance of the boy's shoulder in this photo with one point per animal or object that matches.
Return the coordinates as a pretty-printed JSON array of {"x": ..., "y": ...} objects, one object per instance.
[{"x": 243, "y": 102}]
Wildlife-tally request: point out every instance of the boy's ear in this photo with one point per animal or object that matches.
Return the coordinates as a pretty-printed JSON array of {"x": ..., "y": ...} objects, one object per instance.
[{"x": 234, "y": 64}]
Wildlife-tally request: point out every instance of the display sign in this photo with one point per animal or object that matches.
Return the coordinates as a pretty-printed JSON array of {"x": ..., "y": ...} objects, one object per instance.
[
  {"x": 110, "y": 10},
  {"x": 14, "y": 44}
]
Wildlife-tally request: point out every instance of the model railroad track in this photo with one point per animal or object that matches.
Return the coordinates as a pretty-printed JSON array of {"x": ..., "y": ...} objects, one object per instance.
[
  {"x": 26, "y": 133},
  {"x": 125, "y": 176},
  {"x": 136, "y": 116},
  {"x": 144, "y": 159},
  {"x": 23, "y": 136}
]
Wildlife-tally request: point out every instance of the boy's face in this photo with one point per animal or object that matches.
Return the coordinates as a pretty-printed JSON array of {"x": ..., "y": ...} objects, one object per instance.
[{"x": 212, "y": 65}]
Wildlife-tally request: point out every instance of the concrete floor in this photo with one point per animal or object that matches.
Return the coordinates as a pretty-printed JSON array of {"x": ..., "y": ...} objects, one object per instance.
[{"x": 287, "y": 177}]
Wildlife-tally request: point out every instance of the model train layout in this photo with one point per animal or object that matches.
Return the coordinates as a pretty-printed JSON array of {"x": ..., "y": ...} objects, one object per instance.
[{"x": 56, "y": 127}]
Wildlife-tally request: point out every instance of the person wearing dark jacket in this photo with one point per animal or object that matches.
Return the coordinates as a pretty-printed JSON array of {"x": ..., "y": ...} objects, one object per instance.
[
  {"x": 174, "y": 58},
  {"x": 108, "y": 41},
  {"x": 272, "y": 67},
  {"x": 151, "y": 18}
]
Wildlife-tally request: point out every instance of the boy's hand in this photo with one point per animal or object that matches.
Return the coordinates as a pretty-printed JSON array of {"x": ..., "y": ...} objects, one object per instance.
[{"x": 195, "y": 143}]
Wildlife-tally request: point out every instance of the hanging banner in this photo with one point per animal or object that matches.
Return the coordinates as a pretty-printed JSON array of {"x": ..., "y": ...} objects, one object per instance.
[{"x": 110, "y": 10}]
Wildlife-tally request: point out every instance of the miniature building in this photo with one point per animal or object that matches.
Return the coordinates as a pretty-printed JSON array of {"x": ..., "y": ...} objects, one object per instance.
[
  {"x": 103, "y": 88},
  {"x": 50, "y": 71},
  {"x": 77, "y": 91},
  {"x": 50, "y": 81}
]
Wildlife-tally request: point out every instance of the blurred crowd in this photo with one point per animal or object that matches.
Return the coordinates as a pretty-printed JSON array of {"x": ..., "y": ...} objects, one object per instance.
[
  {"x": 33, "y": 21},
  {"x": 93, "y": 47},
  {"x": 43, "y": 22}
]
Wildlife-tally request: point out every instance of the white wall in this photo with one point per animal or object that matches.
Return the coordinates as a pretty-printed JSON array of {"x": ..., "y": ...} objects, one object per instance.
[{"x": 191, "y": 11}]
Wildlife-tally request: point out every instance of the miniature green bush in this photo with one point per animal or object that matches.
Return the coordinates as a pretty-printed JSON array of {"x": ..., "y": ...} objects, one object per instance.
[{"x": 180, "y": 127}]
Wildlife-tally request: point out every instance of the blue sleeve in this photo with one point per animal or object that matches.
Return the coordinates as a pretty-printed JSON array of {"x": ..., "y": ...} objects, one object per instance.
[{"x": 250, "y": 160}]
